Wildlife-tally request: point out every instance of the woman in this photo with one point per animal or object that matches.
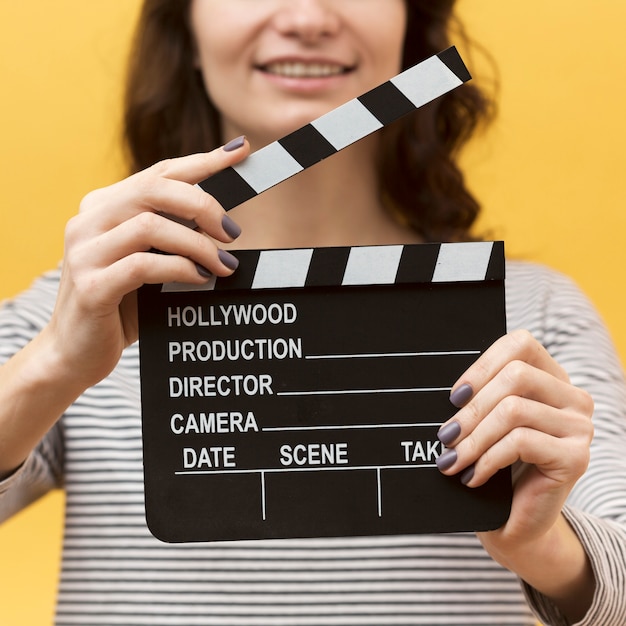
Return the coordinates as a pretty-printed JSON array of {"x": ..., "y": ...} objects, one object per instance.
[{"x": 205, "y": 72}]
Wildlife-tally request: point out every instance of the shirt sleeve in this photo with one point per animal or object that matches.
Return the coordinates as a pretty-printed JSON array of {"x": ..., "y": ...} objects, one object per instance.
[
  {"x": 605, "y": 543},
  {"x": 40, "y": 473},
  {"x": 574, "y": 334},
  {"x": 21, "y": 319}
]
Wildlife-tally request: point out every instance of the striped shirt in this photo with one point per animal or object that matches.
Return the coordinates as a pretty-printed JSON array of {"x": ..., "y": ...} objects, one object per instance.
[{"x": 114, "y": 572}]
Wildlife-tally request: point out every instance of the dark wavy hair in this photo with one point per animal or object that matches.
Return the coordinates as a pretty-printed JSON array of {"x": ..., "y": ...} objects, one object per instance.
[{"x": 167, "y": 113}]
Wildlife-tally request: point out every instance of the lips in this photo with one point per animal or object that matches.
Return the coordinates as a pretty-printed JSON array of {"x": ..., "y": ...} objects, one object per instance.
[{"x": 304, "y": 69}]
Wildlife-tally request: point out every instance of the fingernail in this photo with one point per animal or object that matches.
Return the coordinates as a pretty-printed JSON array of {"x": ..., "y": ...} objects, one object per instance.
[
  {"x": 468, "y": 474},
  {"x": 461, "y": 396},
  {"x": 448, "y": 433},
  {"x": 227, "y": 259},
  {"x": 231, "y": 228},
  {"x": 235, "y": 144},
  {"x": 446, "y": 460},
  {"x": 203, "y": 271}
]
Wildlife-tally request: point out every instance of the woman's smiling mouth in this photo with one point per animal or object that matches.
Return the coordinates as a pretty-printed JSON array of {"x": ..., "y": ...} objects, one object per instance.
[{"x": 302, "y": 69}]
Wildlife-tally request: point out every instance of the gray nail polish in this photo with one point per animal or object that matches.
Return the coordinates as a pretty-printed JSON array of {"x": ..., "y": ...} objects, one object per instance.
[
  {"x": 203, "y": 271},
  {"x": 468, "y": 474},
  {"x": 461, "y": 396},
  {"x": 234, "y": 144},
  {"x": 227, "y": 259},
  {"x": 448, "y": 433},
  {"x": 231, "y": 228},
  {"x": 446, "y": 460}
]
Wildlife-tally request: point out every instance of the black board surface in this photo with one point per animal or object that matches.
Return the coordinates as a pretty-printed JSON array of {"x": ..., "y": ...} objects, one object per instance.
[{"x": 301, "y": 397}]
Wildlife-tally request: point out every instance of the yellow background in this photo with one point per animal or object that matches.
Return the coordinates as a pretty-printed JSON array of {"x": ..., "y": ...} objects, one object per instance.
[{"x": 549, "y": 173}]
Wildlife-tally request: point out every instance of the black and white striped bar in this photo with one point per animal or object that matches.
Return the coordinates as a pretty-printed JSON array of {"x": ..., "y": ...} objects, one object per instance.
[
  {"x": 359, "y": 266},
  {"x": 338, "y": 129}
]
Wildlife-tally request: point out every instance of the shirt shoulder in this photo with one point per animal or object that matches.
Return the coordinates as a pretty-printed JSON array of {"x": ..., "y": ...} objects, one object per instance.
[{"x": 26, "y": 314}]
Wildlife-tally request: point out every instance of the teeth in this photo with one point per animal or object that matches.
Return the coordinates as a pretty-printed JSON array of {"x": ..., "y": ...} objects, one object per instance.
[{"x": 304, "y": 70}]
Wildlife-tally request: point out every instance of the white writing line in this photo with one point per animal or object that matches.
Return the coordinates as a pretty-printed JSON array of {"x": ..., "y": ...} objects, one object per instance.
[
  {"x": 263, "y": 512},
  {"x": 339, "y": 392},
  {"x": 375, "y": 355},
  {"x": 346, "y": 427},
  {"x": 302, "y": 469}
]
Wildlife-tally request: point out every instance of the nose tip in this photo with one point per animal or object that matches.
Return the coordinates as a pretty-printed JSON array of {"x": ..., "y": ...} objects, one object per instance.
[{"x": 309, "y": 20}]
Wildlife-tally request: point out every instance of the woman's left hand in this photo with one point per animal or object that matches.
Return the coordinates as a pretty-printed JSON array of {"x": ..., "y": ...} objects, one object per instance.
[{"x": 519, "y": 408}]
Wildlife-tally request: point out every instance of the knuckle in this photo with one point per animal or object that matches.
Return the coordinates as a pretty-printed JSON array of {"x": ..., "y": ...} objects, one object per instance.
[
  {"x": 516, "y": 373},
  {"x": 522, "y": 338},
  {"x": 487, "y": 463},
  {"x": 205, "y": 203},
  {"x": 201, "y": 241},
  {"x": 134, "y": 267},
  {"x": 519, "y": 438},
  {"x": 587, "y": 429},
  {"x": 73, "y": 230},
  {"x": 145, "y": 183},
  {"x": 472, "y": 414},
  {"x": 585, "y": 401},
  {"x": 91, "y": 200},
  {"x": 524, "y": 343},
  {"x": 472, "y": 448},
  {"x": 509, "y": 413},
  {"x": 83, "y": 281},
  {"x": 580, "y": 460},
  {"x": 483, "y": 367},
  {"x": 146, "y": 224},
  {"x": 161, "y": 168},
  {"x": 206, "y": 209},
  {"x": 510, "y": 409}
]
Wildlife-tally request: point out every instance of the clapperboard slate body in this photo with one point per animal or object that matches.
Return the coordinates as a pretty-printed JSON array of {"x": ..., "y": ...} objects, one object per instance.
[{"x": 301, "y": 396}]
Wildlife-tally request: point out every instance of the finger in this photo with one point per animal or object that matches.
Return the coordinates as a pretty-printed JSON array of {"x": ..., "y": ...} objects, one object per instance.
[
  {"x": 563, "y": 461},
  {"x": 513, "y": 413},
  {"x": 148, "y": 231},
  {"x": 510, "y": 414},
  {"x": 168, "y": 187},
  {"x": 190, "y": 206},
  {"x": 519, "y": 345},
  {"x": 502, "y": 398},
  {"x": 133, "y": 271},
  {"x": 152, "y": 194},
  {"x": 196, "y": 167}
]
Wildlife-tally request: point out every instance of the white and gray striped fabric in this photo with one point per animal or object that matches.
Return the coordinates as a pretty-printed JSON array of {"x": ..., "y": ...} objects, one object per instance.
[{"x": 115, "y": 572}]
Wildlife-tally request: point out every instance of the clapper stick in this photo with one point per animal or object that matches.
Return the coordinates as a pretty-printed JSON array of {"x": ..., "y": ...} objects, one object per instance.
[{"x": 338, "y": 129}]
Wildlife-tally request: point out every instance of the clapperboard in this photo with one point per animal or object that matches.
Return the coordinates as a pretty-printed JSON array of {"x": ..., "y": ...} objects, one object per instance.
[{"x": 301, "y": 396}]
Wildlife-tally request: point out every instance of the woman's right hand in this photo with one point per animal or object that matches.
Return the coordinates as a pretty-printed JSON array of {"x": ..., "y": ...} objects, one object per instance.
[{"x": 107, "y": 255}]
